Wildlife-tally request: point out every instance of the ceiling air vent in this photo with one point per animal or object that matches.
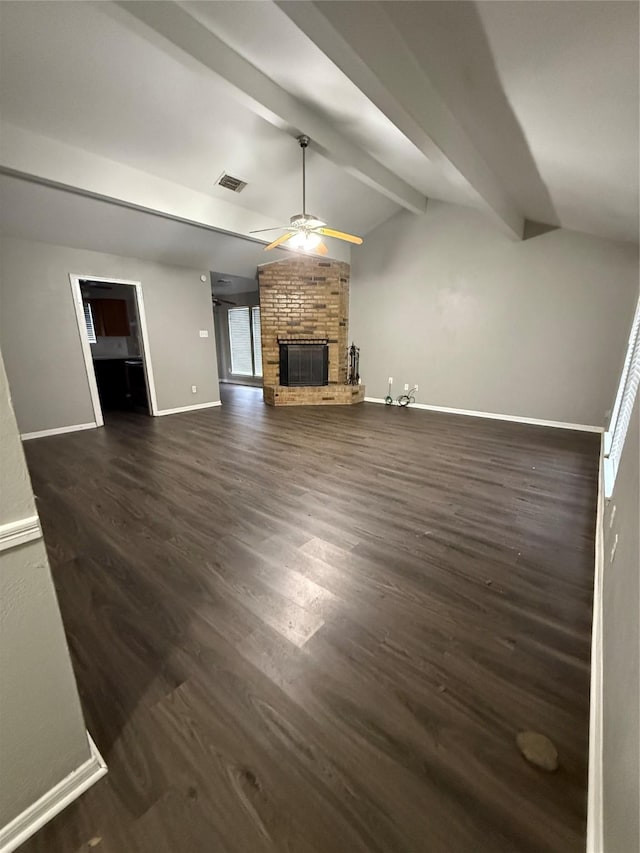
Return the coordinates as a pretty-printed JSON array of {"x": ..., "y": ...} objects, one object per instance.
[{"x": 231, "y": 183}]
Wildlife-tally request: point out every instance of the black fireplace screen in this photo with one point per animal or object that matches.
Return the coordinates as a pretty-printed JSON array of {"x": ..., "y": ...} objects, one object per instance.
[{"x": 304, "y": 362}]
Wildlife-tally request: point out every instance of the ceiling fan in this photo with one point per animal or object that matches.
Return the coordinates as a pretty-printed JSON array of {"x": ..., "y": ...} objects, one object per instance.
[
  {"x": 304, "y": 230},
  {"x": 217, "y": 302}
]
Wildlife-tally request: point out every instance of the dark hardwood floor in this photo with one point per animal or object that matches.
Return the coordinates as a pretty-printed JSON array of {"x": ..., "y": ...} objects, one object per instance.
[{"x": 319, "y": 630}]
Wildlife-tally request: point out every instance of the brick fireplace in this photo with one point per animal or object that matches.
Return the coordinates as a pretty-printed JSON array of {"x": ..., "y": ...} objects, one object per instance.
[{"x": 304, "y": 311}]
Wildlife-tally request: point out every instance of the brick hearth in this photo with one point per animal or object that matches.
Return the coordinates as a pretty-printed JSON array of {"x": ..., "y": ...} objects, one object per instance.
[{"x": 322, "y": 395}]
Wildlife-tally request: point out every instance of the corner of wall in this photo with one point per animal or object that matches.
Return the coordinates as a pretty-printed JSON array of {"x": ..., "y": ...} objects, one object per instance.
[{"x": 595, "y": 779}]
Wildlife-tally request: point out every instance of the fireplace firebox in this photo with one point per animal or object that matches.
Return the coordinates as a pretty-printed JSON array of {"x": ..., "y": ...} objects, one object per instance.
[{"x": 304, "y": 362}]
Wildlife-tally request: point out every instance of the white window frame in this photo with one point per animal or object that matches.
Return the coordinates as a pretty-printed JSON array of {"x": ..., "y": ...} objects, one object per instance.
[
  {"x": 255, "y": 347},
  {"x": 233, "y": 314},
  {"x": 615, "y": 436}
]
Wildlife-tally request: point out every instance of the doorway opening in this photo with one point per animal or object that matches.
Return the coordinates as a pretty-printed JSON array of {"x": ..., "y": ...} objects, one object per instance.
[
  {"x": 113, "y": 332},
  {"x": 236, "y": 313}
]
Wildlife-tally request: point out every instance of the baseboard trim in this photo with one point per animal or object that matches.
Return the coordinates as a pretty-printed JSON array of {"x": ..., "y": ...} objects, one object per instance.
[
  {"x": 493, "y": 416},
  {"x": 15, "y": 533},
  {"x": 53, "y": 802},
  {"x": 27, "y": 436},
  {"x": 181, "y": 409},
  {"x": 595, "y": 835}
]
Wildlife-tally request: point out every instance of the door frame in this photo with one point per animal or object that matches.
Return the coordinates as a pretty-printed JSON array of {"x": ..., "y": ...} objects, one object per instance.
[{"x": 76, "y": 293}]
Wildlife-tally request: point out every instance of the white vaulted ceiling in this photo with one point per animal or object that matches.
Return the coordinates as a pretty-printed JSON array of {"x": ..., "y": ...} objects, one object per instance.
[
  {"x": 316, "y": 81},
  {"x": 571, "y": 76},
  {"x": 527, "y": 110},
  {"x": 33, "y": 211},
  {"x": 548, "y": 91},
  {"x": 75, "y": 73}
]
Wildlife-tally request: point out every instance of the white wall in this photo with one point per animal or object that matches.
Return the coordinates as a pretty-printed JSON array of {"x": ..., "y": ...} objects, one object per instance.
[
  {"x": 621, "y": 653},
  {"x": 16, "y": 495},
  {"x": 42, "y": 733},
  {"x": 481, "y": 322},
  {"x": 42, "y": 347}
]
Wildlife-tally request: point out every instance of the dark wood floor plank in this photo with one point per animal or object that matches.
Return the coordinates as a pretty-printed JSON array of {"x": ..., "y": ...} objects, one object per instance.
[{"x": 315, "y": 630}]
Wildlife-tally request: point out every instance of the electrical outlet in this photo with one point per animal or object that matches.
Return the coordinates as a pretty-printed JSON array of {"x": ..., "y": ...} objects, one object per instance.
[
  {"x": 416, "y": 387},
  {"x": 391, "y": 380},
  {"x": 204, "y": 333},
  {"x": 194, "y": 389},
  {"x": 406, "y": 386}
]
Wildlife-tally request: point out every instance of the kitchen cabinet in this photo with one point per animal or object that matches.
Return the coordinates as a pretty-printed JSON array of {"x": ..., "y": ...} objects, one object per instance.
[{"x": 110, "y": 318}]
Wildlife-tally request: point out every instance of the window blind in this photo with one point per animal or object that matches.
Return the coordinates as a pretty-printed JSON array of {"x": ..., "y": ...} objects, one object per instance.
[
  {"x": 240, "y": 342},
  {"x": 88, "y": 322},
  {"x": 623, "y": 408},
  {"x": 257, "y": 341}
]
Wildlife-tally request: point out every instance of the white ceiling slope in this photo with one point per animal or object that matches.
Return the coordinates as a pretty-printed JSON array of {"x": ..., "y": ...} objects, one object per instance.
[
  {"x": 544, "y": 94},
  {"x": 32, "y": 211},
  {"x": 527, "y": 110}
]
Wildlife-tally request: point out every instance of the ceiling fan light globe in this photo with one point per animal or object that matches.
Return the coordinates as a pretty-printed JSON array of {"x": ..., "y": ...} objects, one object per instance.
[{"x": 305, "y": 241}]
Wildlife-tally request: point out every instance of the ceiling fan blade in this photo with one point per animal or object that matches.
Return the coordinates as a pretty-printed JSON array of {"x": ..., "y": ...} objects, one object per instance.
[
  {"x": 321, "y": 249},
  {"x": 282, "y": 239},
  {"x": 276, "y": 228},
  {"x": 340, "y": 235}
]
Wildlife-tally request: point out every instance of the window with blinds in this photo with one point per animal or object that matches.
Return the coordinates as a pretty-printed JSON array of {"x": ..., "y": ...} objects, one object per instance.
[
  {"x": 240, "y": 342},
  {"x": 623, "y": 407},
  {"x": 257, "y": 341},
  {"x": 245, "y": 342},
  {"x": 88, "y": 322}
]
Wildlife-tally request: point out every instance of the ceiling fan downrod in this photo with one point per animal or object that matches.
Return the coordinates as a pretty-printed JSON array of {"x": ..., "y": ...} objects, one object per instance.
[
  {"x": 305, "y": 231},
  {"x": 304, "y": 142}
]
